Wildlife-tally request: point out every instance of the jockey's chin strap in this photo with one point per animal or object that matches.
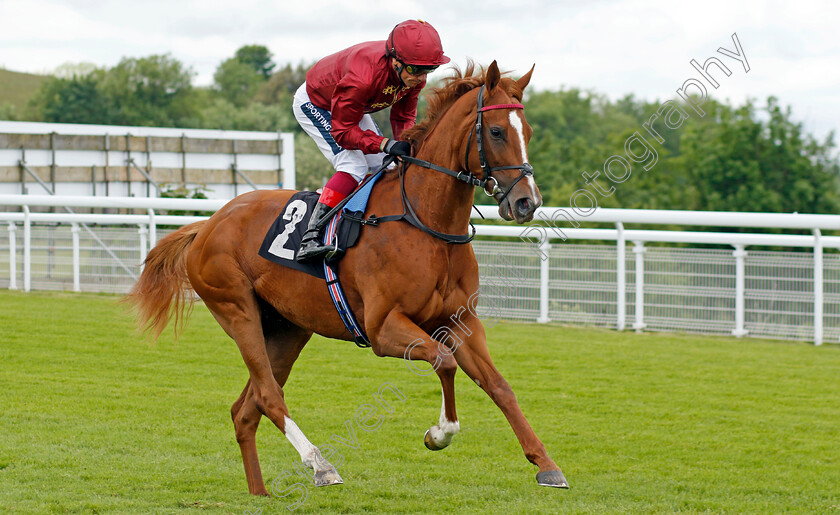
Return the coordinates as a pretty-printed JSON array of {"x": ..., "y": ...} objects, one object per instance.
[{"x": 410, "y": 215}]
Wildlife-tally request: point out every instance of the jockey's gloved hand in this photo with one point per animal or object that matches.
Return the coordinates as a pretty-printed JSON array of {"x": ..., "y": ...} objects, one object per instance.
[{"x": 397, "y": 148}]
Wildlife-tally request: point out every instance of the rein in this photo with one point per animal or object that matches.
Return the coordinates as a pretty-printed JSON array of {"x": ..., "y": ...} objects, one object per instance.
[{"x": 409, "y": 214}]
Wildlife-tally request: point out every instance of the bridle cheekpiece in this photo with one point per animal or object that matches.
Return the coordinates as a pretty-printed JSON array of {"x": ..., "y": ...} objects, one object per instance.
[
  {"x": 410, "y": 216},
  {"x": 525, "y": 169}
]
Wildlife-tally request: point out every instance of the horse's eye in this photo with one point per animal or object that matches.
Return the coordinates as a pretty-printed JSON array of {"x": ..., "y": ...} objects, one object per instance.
[{"x": 496, "y": 132}]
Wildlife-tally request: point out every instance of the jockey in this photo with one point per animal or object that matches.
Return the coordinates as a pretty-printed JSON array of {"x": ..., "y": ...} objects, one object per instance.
[{"x": 334, "y": 104}]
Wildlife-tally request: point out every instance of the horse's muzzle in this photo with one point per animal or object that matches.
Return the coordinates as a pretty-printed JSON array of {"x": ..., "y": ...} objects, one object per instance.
[
  {"x": 524, "y": 207},
  {"x": 520, "y": 209}
]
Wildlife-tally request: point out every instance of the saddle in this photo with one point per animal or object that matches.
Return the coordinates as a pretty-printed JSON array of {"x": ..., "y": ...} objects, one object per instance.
[{"x": 341, "y": 232}]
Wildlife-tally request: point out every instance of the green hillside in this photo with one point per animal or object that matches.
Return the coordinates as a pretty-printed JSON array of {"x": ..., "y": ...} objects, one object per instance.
[{"x": 17, "y": 88}]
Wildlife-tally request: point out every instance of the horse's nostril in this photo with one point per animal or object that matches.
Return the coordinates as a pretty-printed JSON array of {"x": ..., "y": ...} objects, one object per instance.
[{"x": 523, "y": 206}]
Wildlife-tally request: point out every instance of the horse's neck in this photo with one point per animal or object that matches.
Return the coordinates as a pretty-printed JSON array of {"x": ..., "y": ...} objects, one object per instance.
[{"x": 441, "y": 201}]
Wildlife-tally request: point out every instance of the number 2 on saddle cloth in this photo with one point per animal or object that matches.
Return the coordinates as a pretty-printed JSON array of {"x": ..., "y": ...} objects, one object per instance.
[{"x": 342, "y": 232}]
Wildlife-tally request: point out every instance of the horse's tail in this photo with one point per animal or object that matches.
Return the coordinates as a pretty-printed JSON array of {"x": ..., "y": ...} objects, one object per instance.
[{"x": 163, "y": 291}]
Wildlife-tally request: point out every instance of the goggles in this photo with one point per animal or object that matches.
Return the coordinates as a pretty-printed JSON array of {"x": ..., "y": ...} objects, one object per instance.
[{"x": 415, "y": 69}]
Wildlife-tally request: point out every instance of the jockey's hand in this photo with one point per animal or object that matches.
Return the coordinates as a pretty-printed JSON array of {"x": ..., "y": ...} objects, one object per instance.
[{"x": 396, "y": 148}]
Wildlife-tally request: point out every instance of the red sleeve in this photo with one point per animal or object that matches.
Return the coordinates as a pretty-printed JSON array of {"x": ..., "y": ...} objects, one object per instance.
[
  {"x": 348, "y": 108},
  {"x": 404, "y": 112}
]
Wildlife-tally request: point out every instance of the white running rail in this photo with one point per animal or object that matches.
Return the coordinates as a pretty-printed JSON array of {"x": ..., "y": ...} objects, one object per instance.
[{"x": 764, "y": 293}]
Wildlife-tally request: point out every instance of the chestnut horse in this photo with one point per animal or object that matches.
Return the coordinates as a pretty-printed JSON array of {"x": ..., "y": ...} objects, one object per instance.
[{"x": 401, "y": 283}]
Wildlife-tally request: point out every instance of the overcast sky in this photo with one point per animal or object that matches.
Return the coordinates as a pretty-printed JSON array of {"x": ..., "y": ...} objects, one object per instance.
[{"x": 613, "y": 47}]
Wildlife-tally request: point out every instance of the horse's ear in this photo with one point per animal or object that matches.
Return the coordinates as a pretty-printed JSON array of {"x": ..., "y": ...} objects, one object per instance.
[
  {"x": 492, "y": 76},
  {"x": 525, "y": 79}
]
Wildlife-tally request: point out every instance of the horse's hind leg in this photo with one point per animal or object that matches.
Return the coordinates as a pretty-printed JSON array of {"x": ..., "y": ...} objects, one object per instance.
[
  {"x": 236, "y": 308},
  {"x": 246, "y": 418},
  {"x": 283, "y": 344}
]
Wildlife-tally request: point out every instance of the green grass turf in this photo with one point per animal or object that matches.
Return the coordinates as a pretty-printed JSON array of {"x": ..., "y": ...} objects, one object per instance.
[{"x": 97, "y": 420}]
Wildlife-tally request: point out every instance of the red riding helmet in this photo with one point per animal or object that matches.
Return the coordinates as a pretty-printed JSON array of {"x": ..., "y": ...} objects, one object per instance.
[{"x": 416, "y": 42}]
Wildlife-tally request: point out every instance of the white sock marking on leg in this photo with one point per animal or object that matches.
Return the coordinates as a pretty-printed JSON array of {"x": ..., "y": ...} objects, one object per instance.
[
  {"x": 443, "y": 433},
  {"x": 309, "y": 454}
]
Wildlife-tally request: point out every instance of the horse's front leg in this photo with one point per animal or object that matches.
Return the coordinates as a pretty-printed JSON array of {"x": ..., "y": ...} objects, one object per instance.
[
  {"x": 399, "y": 337},
  {"x": 474, "y": 359}
]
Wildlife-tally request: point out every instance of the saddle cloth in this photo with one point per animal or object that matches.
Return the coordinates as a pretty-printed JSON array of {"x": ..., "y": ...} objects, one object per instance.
[{"x": 283, "y": 239}]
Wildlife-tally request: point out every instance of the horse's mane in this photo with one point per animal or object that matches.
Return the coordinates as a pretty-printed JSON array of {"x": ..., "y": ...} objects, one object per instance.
[{"x": 441, "y": 98}]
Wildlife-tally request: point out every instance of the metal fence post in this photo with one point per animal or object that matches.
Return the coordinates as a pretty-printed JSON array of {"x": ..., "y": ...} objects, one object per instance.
[
  {"x": 621, "y": 278},
  {"x": 740, "y": 279},
  {"x": 74, "y": 228},
  {"x": 818, "y": 288},
  {"x": 143, "y": 231},
  {"x": 639, "y": 250},
  {"x": 287, "y": 160},
  {"x": 545, "y": 249},
  {"x": 152, "y": 230},
  {"x": 27, "y": 250},
  {"x": 12, "y": 257}
]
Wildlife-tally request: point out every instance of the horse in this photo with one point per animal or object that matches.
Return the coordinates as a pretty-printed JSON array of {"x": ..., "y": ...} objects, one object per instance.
[{"x": 401, "y": 282}]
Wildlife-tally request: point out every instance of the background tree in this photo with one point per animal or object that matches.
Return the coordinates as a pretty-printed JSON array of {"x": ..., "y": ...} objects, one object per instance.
[
  {"x": 743, "y": 163},
  {"x": 8, "y": 111},
  {"x": 151, "y": 91},
  {"x": 282, "y": 84},
  {"x": 71, "y": 70},
  {"x": 258, "y": 58},
  {"x": 736, "y": 158},
  {"x": 222, "y": 114},
  {"x": 79, "y": 99},
  {"x": 237, "y": 82}
]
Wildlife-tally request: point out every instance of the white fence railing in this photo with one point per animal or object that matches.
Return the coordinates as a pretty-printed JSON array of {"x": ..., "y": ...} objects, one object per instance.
[{"x": 791, "y": 295}]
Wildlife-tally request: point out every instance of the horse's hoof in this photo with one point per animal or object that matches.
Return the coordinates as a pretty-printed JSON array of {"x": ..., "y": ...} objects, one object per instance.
[
  {"x": 553, "y": 478},
  {"x": 430, "y": 444},
  {"x": 327, "y": 477}
]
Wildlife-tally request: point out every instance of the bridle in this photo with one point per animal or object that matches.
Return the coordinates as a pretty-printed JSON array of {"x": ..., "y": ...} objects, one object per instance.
[
  {"x": 410, "y": 216},
  {"x": 525, "y": 170}
]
